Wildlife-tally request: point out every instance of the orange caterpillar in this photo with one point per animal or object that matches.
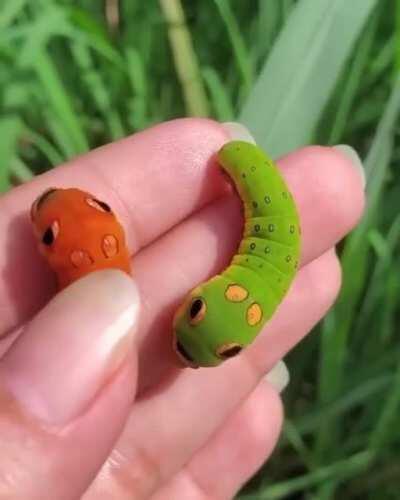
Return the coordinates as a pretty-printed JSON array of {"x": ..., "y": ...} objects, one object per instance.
[{"x": 78, "y": 234}]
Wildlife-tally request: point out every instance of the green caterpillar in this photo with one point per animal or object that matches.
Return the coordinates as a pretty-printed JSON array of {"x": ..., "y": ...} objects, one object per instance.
[{"x": 223, "y": 315}]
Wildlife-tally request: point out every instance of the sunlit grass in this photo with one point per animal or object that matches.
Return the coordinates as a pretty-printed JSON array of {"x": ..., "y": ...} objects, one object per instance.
[{"x": 296, "y": 72}]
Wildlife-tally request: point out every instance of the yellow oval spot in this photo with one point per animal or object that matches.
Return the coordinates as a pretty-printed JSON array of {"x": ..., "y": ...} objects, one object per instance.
[
  {"x": 236, "y": 293},
  {"x": 254, "y": 314},
  {"x": 228, "y": 350},
  {"x": 110, "y": 246}
]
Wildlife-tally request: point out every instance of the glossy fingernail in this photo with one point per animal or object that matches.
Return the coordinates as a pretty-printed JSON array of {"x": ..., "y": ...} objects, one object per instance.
[
  {"x": 352, "y": 155},
  {"x": 278, "y": 377},
  {"x": 238, "y": 132},
  {"x": 73, "y": 346}
]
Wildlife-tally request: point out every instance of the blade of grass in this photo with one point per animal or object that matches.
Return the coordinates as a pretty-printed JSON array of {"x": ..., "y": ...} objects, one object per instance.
[
  {"x": 139, "y": 84},
  {"x": 292, "y": 435},
  {"x": 9, "y": 11},
  {"x": 267, "y": 25},
  {"x": 381, "y": 62},
  {"x": 21, "y": 171},
  {"x": 336, "y": 329},
  {"x": 60, "y": 137},
  {"x": 44, "y": 146},
  {"x": 353, "y": 83},
  {"x": 346, "y": 402},
  {"x": 93, "y": 34},
  {"x": 60, "y": 101},
  {"x": 341, "y": 470},
  {"x": 391, "y": 306},
  {"x": 242, "y": 57},
  {"x": 97, "y": 90},
  {"x": 185, "y": 58},
  {"x": 288, "y": 99},
  {"x": 397, "y": 37},
  {"x": 377, "y": 279},
  {"x": 220, "y": 98},
  {"x": 388, "y": 417},
  {"x": 10, "y": 131}
]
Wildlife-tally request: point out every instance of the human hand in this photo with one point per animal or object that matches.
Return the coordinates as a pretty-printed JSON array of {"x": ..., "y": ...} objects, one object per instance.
[{"x": 68, "y": 424}]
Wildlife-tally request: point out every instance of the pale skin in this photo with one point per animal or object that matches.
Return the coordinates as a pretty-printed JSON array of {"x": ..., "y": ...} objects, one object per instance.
[{"x": 140, "y": 428}]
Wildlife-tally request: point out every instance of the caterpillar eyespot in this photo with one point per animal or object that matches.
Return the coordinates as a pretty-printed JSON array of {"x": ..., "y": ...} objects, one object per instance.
[
  {"x": 197, "y": 312},
  {"x": 98, "y": 205},
  {"x": 51, "y": 233},
  {"x": 228, "y": 350},
  {"x": 78, "y": 234},
  {"x": 238, "y": 302}
]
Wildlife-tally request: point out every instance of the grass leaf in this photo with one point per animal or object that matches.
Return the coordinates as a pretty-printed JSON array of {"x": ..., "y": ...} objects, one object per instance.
[{"x": 300, "y": 74}]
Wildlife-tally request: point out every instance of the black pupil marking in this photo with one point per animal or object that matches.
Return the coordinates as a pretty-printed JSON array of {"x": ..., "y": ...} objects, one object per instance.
[
  {"x": 253, "y": 168},
  {"x": 267, "y": 250},
  {"x": 257, "y": 227},
  {"x": 267, "y": 199},
  {"x": 103, "y": 205},
  {"x": 48, "y": 237},
  {"x": 232, "y": 351},
  {"x": 288, "y": 258},
  {"x": 253, "y": 246},
  {"x": 271, "y": 228},
  {"x": 255, "y": 205},
  {"x": 183, "y": 352},
  {"x": 292, "y": 229},
  {"x": 195, "y": 308}
]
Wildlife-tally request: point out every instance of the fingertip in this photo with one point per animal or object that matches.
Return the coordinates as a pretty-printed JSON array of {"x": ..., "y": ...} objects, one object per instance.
[
  {"x": 324, "y": 177},
  {"x": 278, "y": 377},
  {"x": 323, "y": 279}
]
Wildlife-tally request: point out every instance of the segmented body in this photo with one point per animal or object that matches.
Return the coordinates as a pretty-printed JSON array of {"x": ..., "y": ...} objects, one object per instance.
[{"x": 225, "y": 314}]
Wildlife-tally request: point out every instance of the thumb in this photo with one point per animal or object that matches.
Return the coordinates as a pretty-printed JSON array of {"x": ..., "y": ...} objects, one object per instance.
[{"x": 66, "y": 388}]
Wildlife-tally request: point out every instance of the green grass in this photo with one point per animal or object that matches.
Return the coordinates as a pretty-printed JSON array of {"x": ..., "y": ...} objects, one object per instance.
[{"x": 296, "y": 72}]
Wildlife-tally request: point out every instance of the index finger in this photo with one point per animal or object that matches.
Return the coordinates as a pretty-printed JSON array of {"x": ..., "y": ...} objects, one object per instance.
[{"x": 153, "y": 180}]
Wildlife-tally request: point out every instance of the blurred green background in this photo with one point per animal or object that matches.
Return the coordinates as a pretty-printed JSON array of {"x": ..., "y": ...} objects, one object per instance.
[{"x": 77, "y": 74}]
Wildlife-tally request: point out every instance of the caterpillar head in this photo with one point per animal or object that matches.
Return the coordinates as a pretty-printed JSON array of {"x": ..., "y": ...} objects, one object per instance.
[
  {"x": 210, "y": 327},
  {"x": 77, "y": 234}
]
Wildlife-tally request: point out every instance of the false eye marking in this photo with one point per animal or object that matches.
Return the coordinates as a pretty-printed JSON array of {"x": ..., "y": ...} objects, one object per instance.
[
  {"x": 40, "y": 200},
  {"x": 197, "y": 311},
  {"x": 110, "y": 246},
  {"x": 183, "y": 355},
  {"x": 51, "y": 233},
  {"x": 228, "y": 350},
  {"x": 98, "y": 205},
  {"x": 254, "y": 314},
  {"x": 80, "y": 258},
  {"x": 236, "y": 293}
]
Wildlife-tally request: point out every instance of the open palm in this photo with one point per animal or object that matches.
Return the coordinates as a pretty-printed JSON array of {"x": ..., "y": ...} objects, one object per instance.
[{"x": 70, "y": 423}]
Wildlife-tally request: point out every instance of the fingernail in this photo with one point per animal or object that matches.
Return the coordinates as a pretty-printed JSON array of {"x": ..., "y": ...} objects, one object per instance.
[
  {"x": 278, "y": 377},
  {"x": 238, "y": 132},
  {"x": 352, "y": 155},
  {"x": 73, "y": 346}
]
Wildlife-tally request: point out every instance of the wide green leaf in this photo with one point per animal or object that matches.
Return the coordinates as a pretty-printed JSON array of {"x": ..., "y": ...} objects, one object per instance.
[{"x": 302, "y": 70}]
